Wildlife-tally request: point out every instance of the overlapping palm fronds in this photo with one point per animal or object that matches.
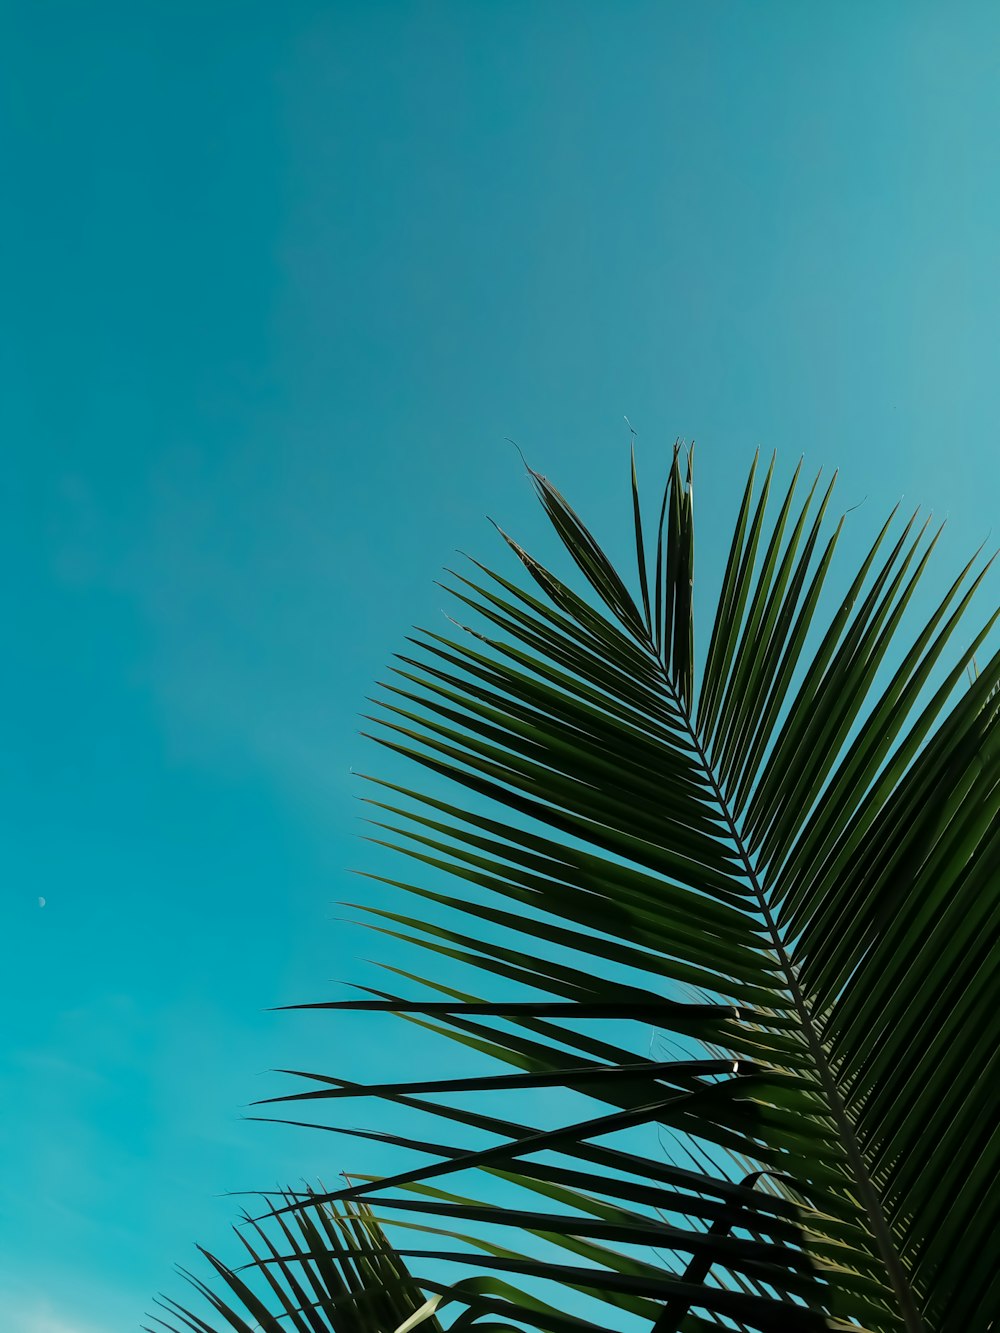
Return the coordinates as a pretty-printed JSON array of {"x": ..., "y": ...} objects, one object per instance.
[{"x": 783, "y": 857}]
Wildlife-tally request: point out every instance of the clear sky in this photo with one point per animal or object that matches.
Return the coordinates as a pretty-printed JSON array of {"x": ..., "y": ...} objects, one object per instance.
[{"x": 278, "y": 279}]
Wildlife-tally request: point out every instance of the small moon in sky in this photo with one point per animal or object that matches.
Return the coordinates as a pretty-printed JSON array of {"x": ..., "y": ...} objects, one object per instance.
[{"x": 41, "y": 902}]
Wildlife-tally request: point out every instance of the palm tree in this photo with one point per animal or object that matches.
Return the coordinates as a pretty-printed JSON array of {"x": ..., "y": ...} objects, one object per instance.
[{"x": 784, "y": 857}]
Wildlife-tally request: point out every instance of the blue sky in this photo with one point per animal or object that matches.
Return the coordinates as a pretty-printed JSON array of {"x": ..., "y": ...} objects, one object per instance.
[{"x": 278, "y": 282}]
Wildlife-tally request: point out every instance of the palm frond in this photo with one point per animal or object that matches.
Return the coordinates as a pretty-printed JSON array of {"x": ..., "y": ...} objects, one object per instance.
[
  {"x": 786, "y": 861},
  {"x": 321, "y": 1268}
]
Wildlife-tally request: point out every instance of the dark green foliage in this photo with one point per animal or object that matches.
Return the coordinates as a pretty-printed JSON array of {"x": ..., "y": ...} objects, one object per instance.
[{"x": 786, "y": 862}]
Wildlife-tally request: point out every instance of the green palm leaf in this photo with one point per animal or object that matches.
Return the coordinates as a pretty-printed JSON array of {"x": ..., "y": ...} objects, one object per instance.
[
  {"x": 323, "y": 1268},
  {"x": 786, "y": 862}
]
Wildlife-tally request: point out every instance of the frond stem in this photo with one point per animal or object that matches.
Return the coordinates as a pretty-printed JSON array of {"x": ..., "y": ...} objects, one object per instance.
[{"x": 852, "y": 1148}]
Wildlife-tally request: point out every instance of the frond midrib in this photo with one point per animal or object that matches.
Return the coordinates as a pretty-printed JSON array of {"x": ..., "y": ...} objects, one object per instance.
[{"x": 869, "y": 1196}]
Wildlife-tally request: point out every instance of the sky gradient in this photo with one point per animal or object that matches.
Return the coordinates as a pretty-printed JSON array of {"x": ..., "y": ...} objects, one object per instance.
[{"x": 279, "y": 280}]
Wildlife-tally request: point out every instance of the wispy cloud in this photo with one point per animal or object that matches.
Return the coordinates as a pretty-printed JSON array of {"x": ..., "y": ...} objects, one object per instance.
[{"x": 34, "y": 1316}]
